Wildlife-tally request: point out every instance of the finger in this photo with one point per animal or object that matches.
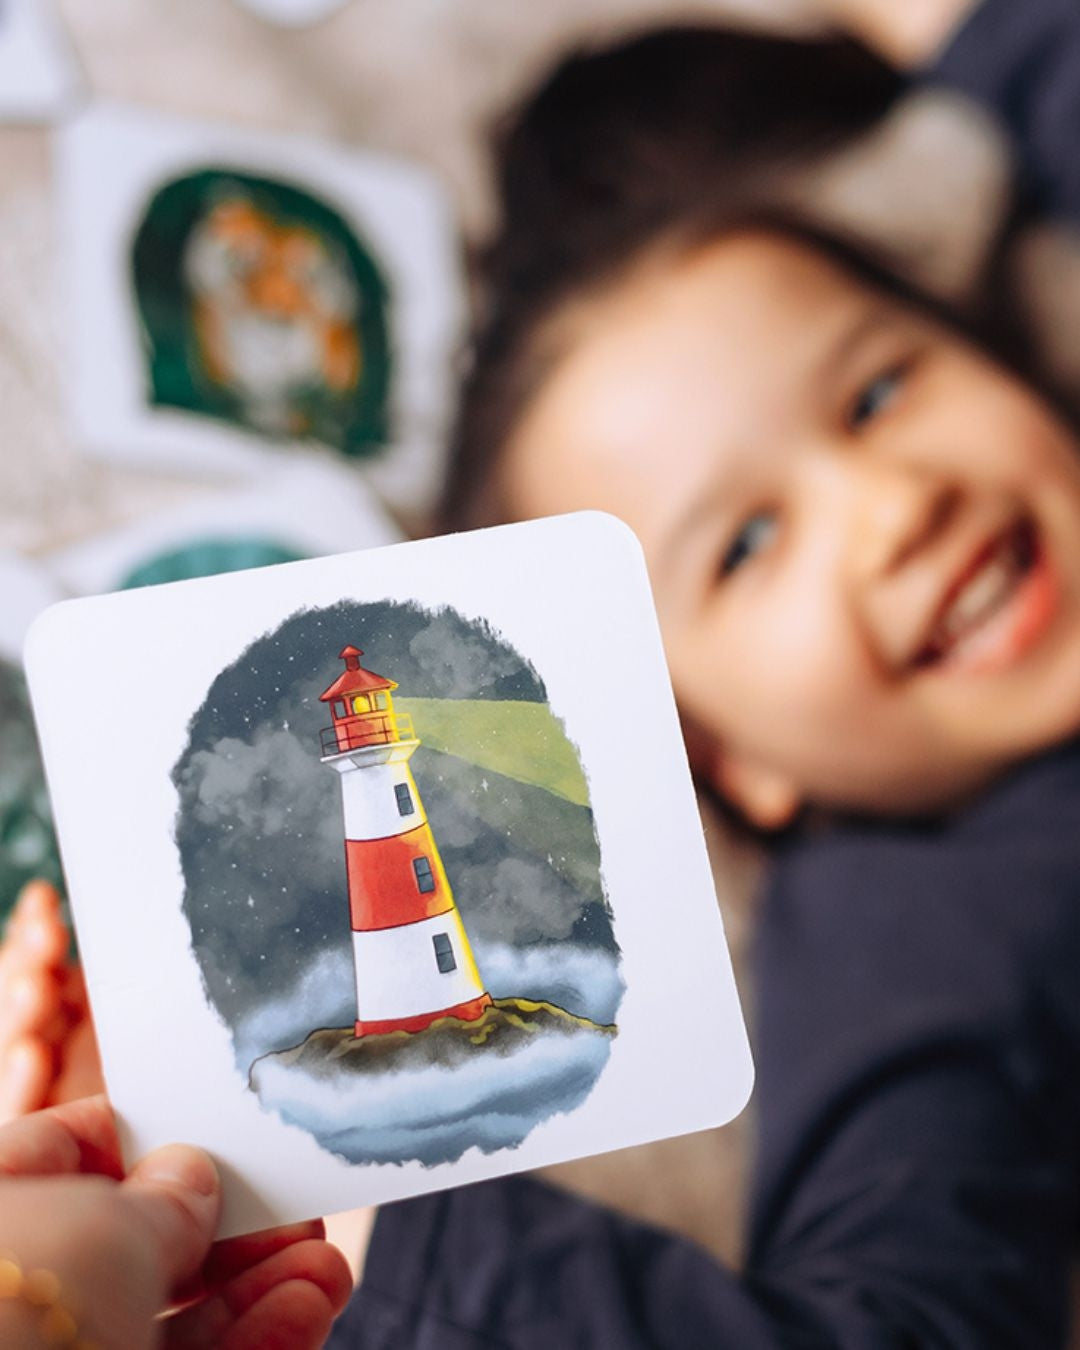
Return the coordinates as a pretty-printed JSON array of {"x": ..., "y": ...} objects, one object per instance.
[
  {"x": 36, "y": 898},
  {"x": 77, "y": 1137},
  {"x": 229, "y": 1258},
  {"x": 31, "y": 1003},
  {"x": 26, "y": 1072},
  {"x": 290, "y": 1299},
  {"x": 37, "y": 928},
  {"x": 315, "y": 1262},
  {"x": 80, "y": 1066},
  {"x": 233, "y": 1256},
  {"x": 293, "y": 1316},
  {"x": 176, "y": 1192},
  {"x": 31, "y": 968},
  {"x": 73, "y": 991}
]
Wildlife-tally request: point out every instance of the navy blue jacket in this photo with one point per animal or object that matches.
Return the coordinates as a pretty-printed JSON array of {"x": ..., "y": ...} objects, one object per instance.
[
  {"x": 917, "y": 1044},
  {"x": 918, "y": 1050},
  {"x": 1022, "y": 59}
]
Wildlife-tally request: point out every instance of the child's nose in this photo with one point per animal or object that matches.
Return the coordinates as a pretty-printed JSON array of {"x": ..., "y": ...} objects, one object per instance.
[{"x": 899, "y": 510}]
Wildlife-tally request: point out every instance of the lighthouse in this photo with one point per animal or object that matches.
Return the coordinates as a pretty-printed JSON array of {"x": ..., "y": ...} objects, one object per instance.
[{"x": 412, "y": 956}]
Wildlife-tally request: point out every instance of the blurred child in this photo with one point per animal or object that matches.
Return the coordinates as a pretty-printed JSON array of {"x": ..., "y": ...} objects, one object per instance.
[{"x": 863, "y": 532}]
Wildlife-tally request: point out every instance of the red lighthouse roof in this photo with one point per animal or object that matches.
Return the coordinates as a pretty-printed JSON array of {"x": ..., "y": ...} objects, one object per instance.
[{"x": 355, "y": 679}]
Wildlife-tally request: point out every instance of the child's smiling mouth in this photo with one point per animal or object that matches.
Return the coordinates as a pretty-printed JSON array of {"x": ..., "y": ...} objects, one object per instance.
[{"x": 997, "y": 608}]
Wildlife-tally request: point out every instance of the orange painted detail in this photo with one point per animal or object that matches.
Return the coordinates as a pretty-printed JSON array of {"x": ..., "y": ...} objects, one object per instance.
[
  {"x": 467, "y": 1012},
  {"x": 353, "y": 733},
  {"x": 355, "y": 679},
  {"x": 383, "y": 889}
]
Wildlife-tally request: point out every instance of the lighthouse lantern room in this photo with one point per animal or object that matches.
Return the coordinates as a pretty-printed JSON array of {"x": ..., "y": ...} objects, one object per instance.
[{"x": 412, "y": 956}]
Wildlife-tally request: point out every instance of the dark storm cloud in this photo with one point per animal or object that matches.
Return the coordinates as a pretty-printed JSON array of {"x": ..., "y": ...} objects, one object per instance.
[
  {"x": 279, "y": 678},
  {"x": 461, "y": 665},
  {"x": 274, "y": 790},
  {"x": 519, "y": 900}
]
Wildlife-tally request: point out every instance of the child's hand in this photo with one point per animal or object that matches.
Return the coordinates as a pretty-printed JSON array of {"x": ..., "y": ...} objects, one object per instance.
[
  {"x": 122, "y": 1249},
  {"x": 47, "y": 1049}
]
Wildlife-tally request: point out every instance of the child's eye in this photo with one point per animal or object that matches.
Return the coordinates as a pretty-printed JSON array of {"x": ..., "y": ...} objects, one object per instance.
[
  {"x": 755, "y": 534},
  {"x": 875, "y": 397}
]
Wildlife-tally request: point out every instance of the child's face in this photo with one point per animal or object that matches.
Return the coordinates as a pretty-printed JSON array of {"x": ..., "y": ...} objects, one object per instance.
[{"x": 863, "y": 536}]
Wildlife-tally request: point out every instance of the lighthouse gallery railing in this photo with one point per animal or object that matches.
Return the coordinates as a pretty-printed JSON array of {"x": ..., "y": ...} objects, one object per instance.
[{"x": 378, "y": 730}]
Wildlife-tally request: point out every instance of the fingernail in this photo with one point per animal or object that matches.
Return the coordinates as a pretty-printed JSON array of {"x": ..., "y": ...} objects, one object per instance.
[
  {"x": 38, "y": 936},
  {"x": 23, "y": 993},
  {"x": 182, "y": 1165},
  {"x": 21, "y": 1061},
  {"x": 37, "y": 898}
]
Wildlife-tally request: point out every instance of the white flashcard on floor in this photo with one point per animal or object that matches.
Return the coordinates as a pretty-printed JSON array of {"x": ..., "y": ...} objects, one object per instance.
[
  {"x": 298, "y": 509},
  {"x": 27, "y": 589},
  {"x": 386, "y": 867},
  {"x": 231, "y": 291}
]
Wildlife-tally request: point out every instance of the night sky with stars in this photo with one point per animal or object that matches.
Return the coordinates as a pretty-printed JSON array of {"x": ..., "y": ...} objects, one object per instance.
[{"x": 260, "y": 829}]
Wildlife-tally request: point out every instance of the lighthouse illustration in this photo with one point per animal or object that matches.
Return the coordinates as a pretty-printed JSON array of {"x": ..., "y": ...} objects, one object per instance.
[{"x": 412, "y": 956}]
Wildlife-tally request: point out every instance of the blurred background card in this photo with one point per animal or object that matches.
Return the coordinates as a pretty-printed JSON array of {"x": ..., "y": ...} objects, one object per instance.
[
  {"x": 386, "y": 867},
  {"x": 231, "y": 290},
  {"x": 27, "y": 590},
  {"x": 300, "y": 508},
  {"x": 39, "y": 76}
]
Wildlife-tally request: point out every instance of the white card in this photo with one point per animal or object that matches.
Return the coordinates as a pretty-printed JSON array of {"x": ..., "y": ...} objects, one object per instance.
[
  {"x": 231, "y": 289},
  {"x": 39, "y": 77},
  {"x": 386, "y": 867},
  {"x": 299, "y": 510}
]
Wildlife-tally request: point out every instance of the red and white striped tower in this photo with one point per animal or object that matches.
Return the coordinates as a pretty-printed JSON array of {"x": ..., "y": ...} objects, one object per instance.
[{"x": 413, "y": 959}]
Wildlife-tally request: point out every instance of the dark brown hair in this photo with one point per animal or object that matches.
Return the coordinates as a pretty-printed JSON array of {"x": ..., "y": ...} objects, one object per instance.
[{"x": 679, "y": 135}]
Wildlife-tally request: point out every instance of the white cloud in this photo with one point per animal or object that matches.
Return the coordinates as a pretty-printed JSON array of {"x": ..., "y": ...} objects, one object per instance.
[
  {"x": 324, "y": 995},
  {"x": 583, "y": 980},
  {"x": 434, "y": 1114}
]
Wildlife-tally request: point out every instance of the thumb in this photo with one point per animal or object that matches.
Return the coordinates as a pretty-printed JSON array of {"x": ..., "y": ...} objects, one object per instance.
[{"x": 176, "y": 1193}]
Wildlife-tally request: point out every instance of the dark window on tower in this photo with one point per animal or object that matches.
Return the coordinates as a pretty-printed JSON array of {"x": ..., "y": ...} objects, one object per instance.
[
  {"x": 339, "y": 708},
  {"x": 425, "y": 882},
  {"x": 404, "y": 799},
  {"x": 444, "y": 953}
]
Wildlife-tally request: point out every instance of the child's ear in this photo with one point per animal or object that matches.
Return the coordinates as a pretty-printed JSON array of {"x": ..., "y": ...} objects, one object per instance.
[{"x": 768, "y": 799}]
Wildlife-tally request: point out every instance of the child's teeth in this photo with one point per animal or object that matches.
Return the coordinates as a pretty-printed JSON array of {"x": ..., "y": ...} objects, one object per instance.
[{"x": 983, "y": 593}]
